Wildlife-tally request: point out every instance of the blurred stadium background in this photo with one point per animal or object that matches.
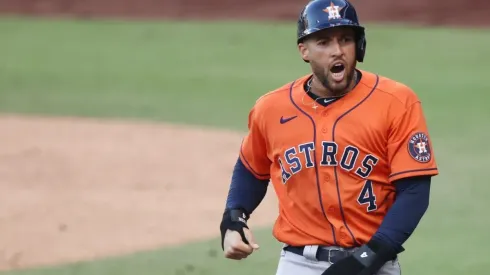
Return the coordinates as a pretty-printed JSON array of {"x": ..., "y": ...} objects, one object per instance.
[{"x": 107, "y": 107}]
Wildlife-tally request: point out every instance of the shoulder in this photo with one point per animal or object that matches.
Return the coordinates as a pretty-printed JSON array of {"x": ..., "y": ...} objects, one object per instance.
[
  {"x": 278, "y": 97},
  {"x": 394, "y": 91}
]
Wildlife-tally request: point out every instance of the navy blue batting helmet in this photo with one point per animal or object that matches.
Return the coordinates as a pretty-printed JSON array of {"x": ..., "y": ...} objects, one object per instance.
[{"x": 318, "y": 15}]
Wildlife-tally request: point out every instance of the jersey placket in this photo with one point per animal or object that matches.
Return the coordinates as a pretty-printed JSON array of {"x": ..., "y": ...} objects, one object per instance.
[{"x": 325, "y": 118}]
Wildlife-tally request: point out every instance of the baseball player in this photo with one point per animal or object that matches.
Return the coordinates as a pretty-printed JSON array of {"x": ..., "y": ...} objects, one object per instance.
[{"x": 347, "y": 151}]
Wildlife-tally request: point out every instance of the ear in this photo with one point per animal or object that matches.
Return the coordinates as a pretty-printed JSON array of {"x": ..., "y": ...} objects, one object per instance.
[{"x": 303, "y": 51}]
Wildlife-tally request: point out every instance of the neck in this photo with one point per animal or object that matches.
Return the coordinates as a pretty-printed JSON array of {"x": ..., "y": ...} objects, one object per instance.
[{"x": 320, "y": 90}]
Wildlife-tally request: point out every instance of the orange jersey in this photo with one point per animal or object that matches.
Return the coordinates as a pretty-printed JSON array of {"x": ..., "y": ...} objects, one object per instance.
[{"x": 333, "y": 167}]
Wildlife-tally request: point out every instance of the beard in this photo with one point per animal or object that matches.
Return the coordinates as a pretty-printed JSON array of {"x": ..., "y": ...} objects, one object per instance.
[{"x": 324, "y": 75}]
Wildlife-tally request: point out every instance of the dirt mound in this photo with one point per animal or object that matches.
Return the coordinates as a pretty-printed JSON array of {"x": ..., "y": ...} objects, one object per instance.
[
  {"x": 76, "y": 189},
  {"x": 436, "y": 12}
]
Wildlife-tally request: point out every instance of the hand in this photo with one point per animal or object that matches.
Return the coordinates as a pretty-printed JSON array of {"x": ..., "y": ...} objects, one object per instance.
[
  {"x": 365, "y": 261},
  {"x": 235, "y": 248},
  {"x": 346, "y": 266}
]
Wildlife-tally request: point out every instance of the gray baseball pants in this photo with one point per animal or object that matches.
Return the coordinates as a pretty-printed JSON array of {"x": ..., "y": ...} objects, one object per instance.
[{"x": 294, "y": 264}]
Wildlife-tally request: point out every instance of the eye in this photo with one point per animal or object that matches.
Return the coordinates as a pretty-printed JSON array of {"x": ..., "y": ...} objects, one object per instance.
[
  {"x": 322, "y": 42},
  {"x": 347, "y": 39}
]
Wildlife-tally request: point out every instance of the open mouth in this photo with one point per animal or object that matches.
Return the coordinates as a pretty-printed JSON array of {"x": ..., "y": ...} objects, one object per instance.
[{"x": 337, "y": 71}]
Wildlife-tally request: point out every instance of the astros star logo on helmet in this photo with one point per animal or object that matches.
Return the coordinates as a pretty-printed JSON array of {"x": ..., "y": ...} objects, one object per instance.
[{"x": 333, "y": 11}]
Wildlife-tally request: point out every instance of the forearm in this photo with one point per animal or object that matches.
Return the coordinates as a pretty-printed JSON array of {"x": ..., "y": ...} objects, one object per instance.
[
  {"x": 405, "y": 214},
  {"x": 246, "y": 191}
]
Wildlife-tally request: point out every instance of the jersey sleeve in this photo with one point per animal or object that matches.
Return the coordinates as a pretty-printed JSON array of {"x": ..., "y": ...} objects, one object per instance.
[
  {"x": 253, "y": 151},
  {"x": 410, "y": 150}
]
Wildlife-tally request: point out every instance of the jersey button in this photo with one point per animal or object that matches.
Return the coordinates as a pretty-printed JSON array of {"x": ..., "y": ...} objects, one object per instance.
[
  {"x": 327, "y": 177},
  {"x": 324, "y": 130},
  {"x": 331, "y": 209}
]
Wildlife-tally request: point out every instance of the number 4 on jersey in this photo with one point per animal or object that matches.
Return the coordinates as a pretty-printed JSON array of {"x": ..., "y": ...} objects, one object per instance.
[{"x": 367, "y": 196}]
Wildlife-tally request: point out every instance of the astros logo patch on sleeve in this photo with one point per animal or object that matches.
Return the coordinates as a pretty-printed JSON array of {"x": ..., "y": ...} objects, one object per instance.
[{"x": 419, "y": 148}]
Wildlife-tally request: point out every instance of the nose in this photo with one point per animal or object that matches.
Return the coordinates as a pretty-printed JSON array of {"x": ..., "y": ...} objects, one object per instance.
[{"x": 336, "y": 50}]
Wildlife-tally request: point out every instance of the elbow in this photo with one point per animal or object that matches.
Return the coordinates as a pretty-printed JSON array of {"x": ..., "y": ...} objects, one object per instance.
[
  {"x": 423, "y": 198},
  {"x": 426, "y": 201}
]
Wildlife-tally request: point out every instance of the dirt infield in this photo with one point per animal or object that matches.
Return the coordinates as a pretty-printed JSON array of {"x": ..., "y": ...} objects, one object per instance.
[
  {"x": 437, "y": 12},
  {"x": 79, "y": 189}
]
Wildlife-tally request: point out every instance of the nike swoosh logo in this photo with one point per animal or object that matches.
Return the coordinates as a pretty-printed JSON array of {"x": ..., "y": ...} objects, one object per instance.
[{"x": 284, "y": 120}]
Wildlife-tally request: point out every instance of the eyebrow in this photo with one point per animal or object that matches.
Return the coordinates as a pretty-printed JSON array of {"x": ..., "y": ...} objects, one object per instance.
[{"x": 324, "y": 36}]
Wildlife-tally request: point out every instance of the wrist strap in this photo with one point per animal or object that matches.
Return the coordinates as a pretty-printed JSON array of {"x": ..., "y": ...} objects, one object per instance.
[{"x": 236, "y": 220}]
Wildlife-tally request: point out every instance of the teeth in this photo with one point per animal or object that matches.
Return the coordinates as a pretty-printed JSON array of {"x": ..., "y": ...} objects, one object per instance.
[{"x": 341, "y": 74}]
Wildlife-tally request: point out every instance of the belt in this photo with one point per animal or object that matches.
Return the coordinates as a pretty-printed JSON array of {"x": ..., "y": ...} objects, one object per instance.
[{"x": 330, "y": 255}]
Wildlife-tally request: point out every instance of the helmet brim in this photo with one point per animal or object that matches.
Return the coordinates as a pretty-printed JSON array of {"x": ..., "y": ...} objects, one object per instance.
[{"x": 328, "y": 25}]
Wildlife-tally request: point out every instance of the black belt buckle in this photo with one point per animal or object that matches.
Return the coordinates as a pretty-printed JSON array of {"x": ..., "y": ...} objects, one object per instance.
[{"x": 329, "y": 258}]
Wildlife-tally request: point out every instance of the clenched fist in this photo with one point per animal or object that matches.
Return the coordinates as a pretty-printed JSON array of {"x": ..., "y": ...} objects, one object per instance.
[{"x": 235, "y": 248}]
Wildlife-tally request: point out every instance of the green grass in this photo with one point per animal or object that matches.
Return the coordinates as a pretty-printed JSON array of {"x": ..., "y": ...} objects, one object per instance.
[
  {"x": 180, "y": 72},
  {"x": 211, "y": 73},
  {"x": 207, "y": 73},
  {"x": 201, "y": 258}
]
